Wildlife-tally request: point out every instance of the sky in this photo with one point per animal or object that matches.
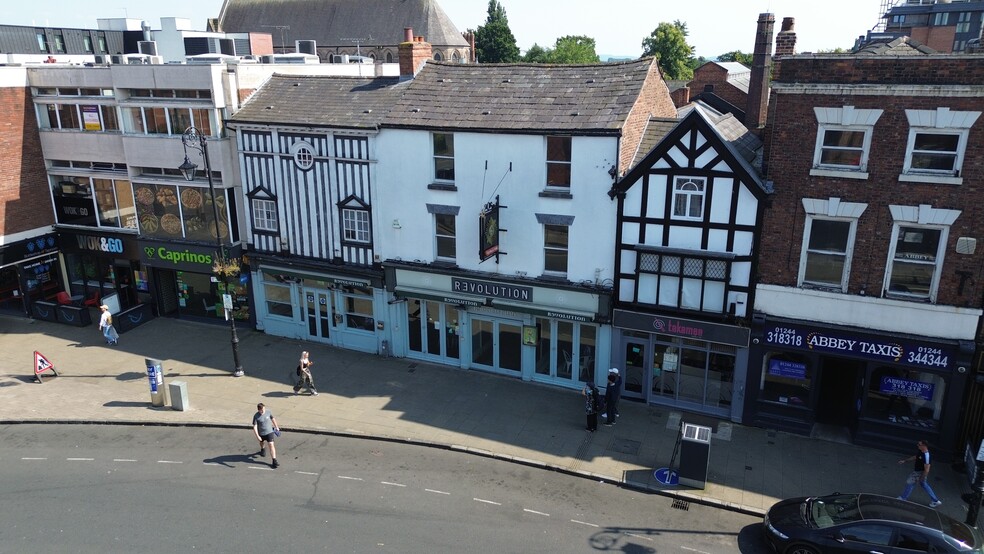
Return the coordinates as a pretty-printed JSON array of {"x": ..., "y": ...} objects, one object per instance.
[{"x": 714, "y": 26}]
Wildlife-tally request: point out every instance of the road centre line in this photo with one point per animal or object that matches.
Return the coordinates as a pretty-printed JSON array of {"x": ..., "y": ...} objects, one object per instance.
[
  {"x": 651, "y": 540},
  {"x": 583, "y": 523},
  {"x": 306, "y": 472},
  {"x": 168, "y": 462},
  {"x": 34, "y": 459},
  {"x": 687, "y": 548},
  {"x": 436, "y": 492},
  {"x": 123, "y": 460},
  {"x": 260, "y": 467},
  {"x": 392, "y": 484},
  {"x": 350, "y": 478},
  {"x": 535, "y": 512},
  {"x": 486, "y": 501},
  {"x": 79, "y": 459}
]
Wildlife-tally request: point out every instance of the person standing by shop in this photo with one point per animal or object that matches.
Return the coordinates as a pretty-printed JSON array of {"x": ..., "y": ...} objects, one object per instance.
[
  {"x": 106, "y": 326},
  {"x": 304, "y": 376},
  {"x": 611, "y": 397},
  {"x": 266, "y": 429},
  {"x": 592, "y": 403},
  {"x": 920, "y": 474}
]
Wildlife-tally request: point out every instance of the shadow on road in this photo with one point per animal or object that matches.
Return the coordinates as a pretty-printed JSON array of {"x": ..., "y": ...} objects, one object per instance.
[{"x": 230, "y": 460}]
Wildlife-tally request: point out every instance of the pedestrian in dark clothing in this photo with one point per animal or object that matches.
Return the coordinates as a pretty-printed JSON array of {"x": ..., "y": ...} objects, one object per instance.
[
  {"x": 592, "y": 401},
  {"x": 611, "y": 398},
  {"x": 618, "y": 387},
  {"x": 920, "y": 474}
]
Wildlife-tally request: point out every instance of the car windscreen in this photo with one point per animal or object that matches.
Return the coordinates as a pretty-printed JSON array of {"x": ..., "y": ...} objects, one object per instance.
[
  {"x": 881, "y": 507},
  {"x": 827, "y": 511}
]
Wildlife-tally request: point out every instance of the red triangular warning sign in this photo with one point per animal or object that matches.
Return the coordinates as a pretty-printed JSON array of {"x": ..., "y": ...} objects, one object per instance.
[{"x": 41, "y": 363}]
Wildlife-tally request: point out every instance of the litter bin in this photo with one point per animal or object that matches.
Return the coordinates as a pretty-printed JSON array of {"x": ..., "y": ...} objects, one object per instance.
[{"x": 695, "y": 449}]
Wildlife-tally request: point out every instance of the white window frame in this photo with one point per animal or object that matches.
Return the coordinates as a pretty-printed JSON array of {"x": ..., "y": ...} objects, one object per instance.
[
  {"x": 832, "y": 209},
  {"x": 303, "y": 155},
  {"x": 355, "y": 225},
  {"x": 442, "y": 156},
  {"x": 919, "y": 217},
  {"x": 452, "y": 237},
  {"x": 845, "y": 118},
  {"x": 264, "y": 213},
  {"x": 688, "y": 197},
  {"x": 940, "y": 121},
  {"x": 566, "y": 249},
  {"x": 847, "y": 253},
  {"x": 549, "y": 162}
]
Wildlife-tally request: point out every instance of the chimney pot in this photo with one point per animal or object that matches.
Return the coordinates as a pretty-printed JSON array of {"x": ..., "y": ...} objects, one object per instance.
[{"x": 408, "y": 34}]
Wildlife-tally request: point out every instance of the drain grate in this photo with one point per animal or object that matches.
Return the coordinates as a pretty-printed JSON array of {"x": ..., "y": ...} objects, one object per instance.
[{"x": 681, "y": 505}]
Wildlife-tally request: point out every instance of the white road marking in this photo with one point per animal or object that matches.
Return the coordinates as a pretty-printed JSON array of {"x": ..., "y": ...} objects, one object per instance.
[
  {"x": 123, "y": 460},
  {"x": 168, "y": 462},
  {"x": 651, "y": 540},
  {"x": 690, "y": 549},
  {"x": 436, "y": 492},
  {"x": 350, "y": 478},
  {"x": 34, "y": 459},
  {"x": 216, "y": 464},
  {"x": 79, "y": 459},
  {"x": 392, "y": 484},
  {"x": 260, "y": 467},
  {"x": 583, "y": 523},
  {"x": 486, "y": 501},
  {"x": 306, "y": 472},
  {"x": 536, "y": 512}
]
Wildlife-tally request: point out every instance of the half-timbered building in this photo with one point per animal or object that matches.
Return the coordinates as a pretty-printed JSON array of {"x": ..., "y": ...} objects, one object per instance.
[
  {"x": 307, "y": 156},
  {"x": 687, "y": 232}
]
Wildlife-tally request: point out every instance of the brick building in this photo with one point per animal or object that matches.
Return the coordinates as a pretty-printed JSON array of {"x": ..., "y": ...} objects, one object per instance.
[
  {"x": 27, "y": 247},
  {"x": 869, "y": 287}
]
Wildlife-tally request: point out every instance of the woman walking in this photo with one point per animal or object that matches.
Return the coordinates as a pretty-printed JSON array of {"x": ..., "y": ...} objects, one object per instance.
[
  {"x": 304, "y": 377},
  {"x": 106, "y": 326}
]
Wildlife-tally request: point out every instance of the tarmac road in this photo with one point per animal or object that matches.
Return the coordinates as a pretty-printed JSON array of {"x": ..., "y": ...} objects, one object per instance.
[{"x": 111, "y": 488}]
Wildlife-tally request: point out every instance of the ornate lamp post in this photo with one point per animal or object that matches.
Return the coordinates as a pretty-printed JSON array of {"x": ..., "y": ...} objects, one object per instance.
[{"x": 197, "y": 141}]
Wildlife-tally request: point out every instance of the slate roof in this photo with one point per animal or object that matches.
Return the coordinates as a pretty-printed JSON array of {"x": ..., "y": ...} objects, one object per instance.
[
  {"x": 744, "y": 144},
  {"x": 738, "y": 74},
  {"x": 902, "y": 46},
  {"x": 337, "y": 22},
  {"x": 328, "y": 101},
  {"x": 535, "y": 98}
]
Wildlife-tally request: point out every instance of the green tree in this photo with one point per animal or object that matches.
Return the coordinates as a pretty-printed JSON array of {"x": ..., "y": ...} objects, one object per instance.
[
  {"x": 537, "y": 54},
  {"x": 668, "y": 43},
  {"x": 494, "y": 41},
  {"x": 736, "y": 56},
  {"x": 574, "y": 49}
]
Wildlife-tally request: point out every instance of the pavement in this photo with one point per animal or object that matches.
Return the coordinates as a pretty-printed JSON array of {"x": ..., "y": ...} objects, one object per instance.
[{"x": 400, "y": 399}]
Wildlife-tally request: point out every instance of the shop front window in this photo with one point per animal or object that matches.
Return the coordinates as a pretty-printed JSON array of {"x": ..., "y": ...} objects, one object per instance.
[
  {"x": 586, "y": 359},
  {"x": 543, "y": 342},
  {"x": 566, "y": 347},
  {"x": 787, "y": 379},
  {"x": 358, "y": 308},
  {"x": 170, "y": 211},
  {"x": 905, "y": 396}
]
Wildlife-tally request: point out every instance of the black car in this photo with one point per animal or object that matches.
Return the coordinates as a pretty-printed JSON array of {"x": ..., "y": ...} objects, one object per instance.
[{"x": 864, "y": 523}]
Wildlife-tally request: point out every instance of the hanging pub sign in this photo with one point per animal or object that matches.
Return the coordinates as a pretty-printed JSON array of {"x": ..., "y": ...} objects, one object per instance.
[{"x": 488, "y": 231}]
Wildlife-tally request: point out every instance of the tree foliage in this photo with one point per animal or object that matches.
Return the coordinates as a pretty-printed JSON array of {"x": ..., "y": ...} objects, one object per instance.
[
  {"x": 668, "y": 43},
  {"x": 494, "y": 41},
  {"x": 737, "y": 56},
  {"x": 567, "y": 50}
]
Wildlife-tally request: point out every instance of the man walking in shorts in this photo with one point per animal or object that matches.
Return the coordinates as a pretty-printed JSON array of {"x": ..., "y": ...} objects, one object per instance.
[{"x": 265, "y": 429}]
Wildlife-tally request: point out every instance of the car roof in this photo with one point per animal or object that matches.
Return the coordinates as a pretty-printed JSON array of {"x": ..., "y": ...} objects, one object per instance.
[{"x": 873, "y": 506}]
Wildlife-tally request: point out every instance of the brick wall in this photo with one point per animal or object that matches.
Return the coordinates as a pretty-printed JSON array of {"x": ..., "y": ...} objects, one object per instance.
[
  {"x": 937, "y": 69},
  {"x": 791, "y": 139},
  {"x": 716, "y": 76},
  {"x": 25, "y": 202},
  {"x": 654, "y": 100}
]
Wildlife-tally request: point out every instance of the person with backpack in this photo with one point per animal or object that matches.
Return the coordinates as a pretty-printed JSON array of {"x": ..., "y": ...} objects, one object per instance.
[{"x": 304, "y": 377}]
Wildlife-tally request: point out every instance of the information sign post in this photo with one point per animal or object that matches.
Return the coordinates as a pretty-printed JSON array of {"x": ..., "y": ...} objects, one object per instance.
[{"x": 155, "y": 374}]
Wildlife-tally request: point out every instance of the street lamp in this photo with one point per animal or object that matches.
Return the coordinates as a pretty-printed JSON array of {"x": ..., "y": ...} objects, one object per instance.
[{"x": 197, "y": 141}]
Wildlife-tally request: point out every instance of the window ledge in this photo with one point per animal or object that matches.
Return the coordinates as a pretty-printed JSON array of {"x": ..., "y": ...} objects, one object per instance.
[
  {"x": 556, "y": 194},
  {"x": 823, "y": 288},
  {"x": 839, "y": 173},
  {"x": 931, "y": 179},
  {"x": 443, "y": 186}
]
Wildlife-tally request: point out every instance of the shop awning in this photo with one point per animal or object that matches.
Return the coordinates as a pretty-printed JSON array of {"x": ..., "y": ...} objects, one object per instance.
[{"x": 544, "y": 311}]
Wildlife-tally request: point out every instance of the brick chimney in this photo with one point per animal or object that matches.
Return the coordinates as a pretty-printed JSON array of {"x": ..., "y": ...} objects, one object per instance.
[
  {"x": 413, "y": 53},
  {"x": 758, "y": 86},
  {"x": 786, "y": 39}
]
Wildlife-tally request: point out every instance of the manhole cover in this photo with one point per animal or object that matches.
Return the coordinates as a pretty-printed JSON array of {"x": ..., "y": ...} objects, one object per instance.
[{"x": 625, "y": 446}]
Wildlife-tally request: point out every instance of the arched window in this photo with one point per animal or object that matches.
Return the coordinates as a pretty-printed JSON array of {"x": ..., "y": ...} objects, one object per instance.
[
  {"x": 389, "y": 57},
  {"x": 438, "y": 57}
]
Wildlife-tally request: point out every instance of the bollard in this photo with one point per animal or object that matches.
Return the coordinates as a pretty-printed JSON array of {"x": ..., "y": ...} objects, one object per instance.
[
  {"x": 155, "y": 374},
  {"x": 179, "y": 395}
]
